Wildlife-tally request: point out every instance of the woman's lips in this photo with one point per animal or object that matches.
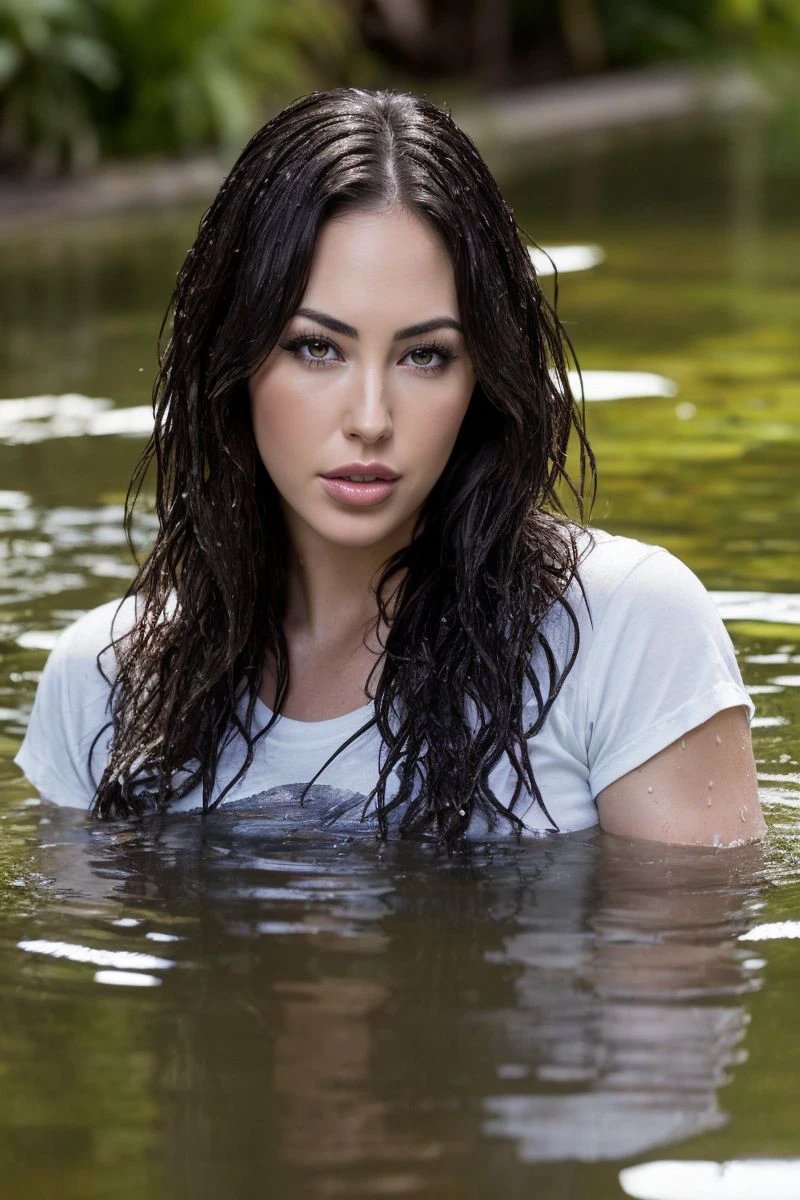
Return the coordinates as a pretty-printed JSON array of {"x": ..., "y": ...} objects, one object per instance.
[{"x": 358, "y": 494}]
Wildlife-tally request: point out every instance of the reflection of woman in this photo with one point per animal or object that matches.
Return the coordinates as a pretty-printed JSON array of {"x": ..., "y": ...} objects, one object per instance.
[
  {"x": 594, "y": 999},
  {"x": 363, "y": 571}
]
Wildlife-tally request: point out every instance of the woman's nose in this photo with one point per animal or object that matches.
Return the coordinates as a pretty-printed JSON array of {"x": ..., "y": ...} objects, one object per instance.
[{"x": 367, "y": 411}]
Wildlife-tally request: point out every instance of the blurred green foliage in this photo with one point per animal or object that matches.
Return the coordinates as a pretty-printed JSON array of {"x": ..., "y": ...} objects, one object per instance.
[
  {"x": 644, "y": 30},
  {"x": 84, "y": 78},
  {"x": 194, "y": 72},
  {"x": 52, "y": 61},
  {"x": 80, "y": 78}
]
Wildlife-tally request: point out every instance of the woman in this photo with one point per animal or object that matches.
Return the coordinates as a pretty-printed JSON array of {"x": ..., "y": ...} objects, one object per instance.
[{"x": 364, "y": 572}]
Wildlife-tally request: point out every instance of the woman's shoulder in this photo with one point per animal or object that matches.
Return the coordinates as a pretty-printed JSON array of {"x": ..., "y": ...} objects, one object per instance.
[
  {"x": 625, "y": 576},
  {"x": 655, "y": 657},
  {"x": 648, "y": 616},
  {"x": 71, "y": 706},
  {"x": 633, "y": 598},
  {"x": 93, "y": 632}
]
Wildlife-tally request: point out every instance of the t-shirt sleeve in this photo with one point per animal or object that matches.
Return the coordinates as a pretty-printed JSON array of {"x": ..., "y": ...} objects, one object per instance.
[
  {"x": 69, "y": 711},
  {"x": 661, "y": 662}
]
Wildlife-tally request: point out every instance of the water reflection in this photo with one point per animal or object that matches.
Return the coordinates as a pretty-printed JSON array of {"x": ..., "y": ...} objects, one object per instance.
[
  {"x": 342, "y": 1012},
  {"x": 642, "y": 1028},
  {"x": 125, "y": 960},
  {"x": 33, "y": 419},
  {"x": 772, "y": 931},
  {"x": 565, "y": 259},
  {"x": 599, "y": 386},
  {"x": 777, "y": 1179},
  {"x": 781, "y": 608}
]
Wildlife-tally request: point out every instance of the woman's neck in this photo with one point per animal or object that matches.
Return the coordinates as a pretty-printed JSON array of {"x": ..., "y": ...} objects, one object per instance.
[{"x": 331, "y": 590}]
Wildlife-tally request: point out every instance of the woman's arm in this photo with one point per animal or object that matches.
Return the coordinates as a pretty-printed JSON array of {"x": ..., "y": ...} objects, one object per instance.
[{"x": 701, "y": 790}]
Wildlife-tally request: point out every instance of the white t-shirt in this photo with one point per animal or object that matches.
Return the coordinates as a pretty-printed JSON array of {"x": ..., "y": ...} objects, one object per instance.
[{"x": 654, "y": 661}]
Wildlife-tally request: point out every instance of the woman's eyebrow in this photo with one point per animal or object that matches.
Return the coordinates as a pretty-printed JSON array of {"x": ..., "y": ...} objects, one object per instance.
[{"x": 400, "y": 335}]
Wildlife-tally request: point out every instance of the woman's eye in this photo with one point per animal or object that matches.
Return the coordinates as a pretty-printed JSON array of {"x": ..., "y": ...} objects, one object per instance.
[
  {"x": 310, "y": 350},
  {"x": 316, "y": 349},
  {"x": 425, "y": 357}
]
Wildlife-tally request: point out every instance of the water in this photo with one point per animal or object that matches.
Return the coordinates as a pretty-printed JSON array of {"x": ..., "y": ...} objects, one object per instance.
[{"x": 255, "y": 1005}]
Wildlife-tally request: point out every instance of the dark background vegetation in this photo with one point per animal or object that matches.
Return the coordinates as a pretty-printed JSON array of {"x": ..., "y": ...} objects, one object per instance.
[{"x": 86, "y": 80}]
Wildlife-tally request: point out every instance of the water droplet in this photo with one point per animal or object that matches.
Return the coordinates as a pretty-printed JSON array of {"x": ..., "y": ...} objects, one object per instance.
[
  {"x": 743, "y": 813},
  {"x": 683, "y": 743},
  {"x": 711, "y": 783},
  {"x": 650, "y": 790},
  {"x": 718, "y": 740},
  {"x": 708, "y": 802}
]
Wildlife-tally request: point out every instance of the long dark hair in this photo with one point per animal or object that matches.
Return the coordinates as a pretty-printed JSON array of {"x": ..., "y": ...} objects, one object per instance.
[{"x": 493, "y": 549}]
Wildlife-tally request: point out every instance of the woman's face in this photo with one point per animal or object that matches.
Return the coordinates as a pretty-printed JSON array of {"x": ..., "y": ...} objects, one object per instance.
[{"x": 350, "y": 383}]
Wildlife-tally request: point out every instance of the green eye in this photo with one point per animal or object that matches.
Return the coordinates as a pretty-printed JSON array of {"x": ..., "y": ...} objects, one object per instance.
[{"x": 428, "y": 355}]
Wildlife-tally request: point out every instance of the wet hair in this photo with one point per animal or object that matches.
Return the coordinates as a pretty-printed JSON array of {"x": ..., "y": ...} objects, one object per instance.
[{"x": 493, "y": 549}]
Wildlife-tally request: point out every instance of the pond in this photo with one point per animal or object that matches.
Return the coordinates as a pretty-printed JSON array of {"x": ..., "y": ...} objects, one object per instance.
[{"x": 251, "y": 1006}]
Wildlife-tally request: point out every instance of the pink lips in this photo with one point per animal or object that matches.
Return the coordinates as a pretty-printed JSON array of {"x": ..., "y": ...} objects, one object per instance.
[{"x": 360, "y": 494}]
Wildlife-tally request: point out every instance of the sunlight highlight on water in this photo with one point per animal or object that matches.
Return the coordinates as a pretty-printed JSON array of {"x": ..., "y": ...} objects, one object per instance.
[
  {"x": 126, "y": 979},
  {"x": 601, "y": 386},
  {"x": 777, "y": 930},
  {"x": 757, "y": 1179},
  {"x": 565, "y": 259},
  {"x": 126, "y": 960},
  {"x": 34, "y": 419},
  {"x": 781, "y": 608}
]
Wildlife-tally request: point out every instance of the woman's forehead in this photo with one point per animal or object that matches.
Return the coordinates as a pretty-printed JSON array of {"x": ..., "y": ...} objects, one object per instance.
[{"x": 388, "y": 262}]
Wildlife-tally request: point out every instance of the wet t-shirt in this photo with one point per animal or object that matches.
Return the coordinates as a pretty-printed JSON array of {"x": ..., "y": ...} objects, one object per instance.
[{"x": 654, "y": 661}]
